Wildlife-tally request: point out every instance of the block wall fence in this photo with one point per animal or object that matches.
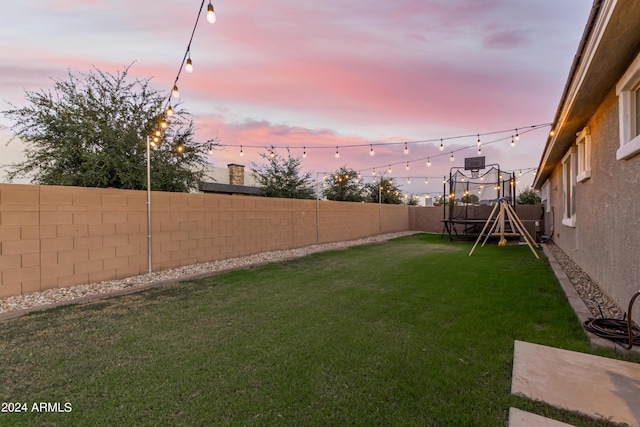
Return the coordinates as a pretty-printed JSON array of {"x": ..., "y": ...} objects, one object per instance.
[{"x": 54, "y": 237}]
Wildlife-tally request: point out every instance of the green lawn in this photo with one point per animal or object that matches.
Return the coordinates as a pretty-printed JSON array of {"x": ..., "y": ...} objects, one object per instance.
[{"x": 409, "y": 332}]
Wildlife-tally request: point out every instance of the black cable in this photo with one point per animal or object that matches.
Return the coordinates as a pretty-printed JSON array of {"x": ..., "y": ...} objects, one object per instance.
[{"x": 613, "y": 329}]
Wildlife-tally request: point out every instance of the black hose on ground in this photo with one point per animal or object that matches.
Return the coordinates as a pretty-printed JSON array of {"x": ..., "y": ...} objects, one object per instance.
[{"x": 619, "y": 331}]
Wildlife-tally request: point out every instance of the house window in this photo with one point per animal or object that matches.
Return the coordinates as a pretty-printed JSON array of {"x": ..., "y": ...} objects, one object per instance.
[
  {"x": 569, "y": 172},
  {"x": 583, "y": 142},
  {"x": 628, "y": 91}
]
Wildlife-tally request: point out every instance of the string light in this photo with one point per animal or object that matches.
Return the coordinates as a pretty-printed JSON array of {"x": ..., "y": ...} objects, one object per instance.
[
  {"x": 479, "y": 149},
  {"x": 478, "y": 139},
  {"x": 407, "y": 165},
  {"x": 241, "y": 152},
  {"x": 406, "y": 148},
  {"x": 452, "y": 158},
  {"x": 304, "y": 152},
  {"x": 163, "y": 124},
  {"x": 389, "y": 170},
  {"x": 175, "y": 92},
  {"x": 337, "y": 153},
  {"x": 426, "y": 180},
  {"x": 513, "y": 141},
  {"x": 189, "y": 67},
  {"x": 517, "y": 135},
  {"x": 441, "y": 145},
  {"x": 371, "y": 152},
  {"x": 428, "y": 161},
  {"x": 374, "y": 171},
  {"x": 211, "y": 14},
  {"x": 169, "y": 111}
]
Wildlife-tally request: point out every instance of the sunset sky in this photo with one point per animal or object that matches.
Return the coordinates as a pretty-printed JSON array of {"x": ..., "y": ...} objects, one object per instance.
[{"x": 323, "y": 73}]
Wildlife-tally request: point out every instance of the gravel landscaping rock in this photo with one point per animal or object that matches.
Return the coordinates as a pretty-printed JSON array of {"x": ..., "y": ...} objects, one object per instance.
[
  {"x": 599, "y": 303},
  {"x": 69, "y": 294}
]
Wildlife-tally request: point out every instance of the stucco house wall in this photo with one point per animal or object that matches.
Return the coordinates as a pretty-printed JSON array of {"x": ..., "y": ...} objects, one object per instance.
[
  {"x": 605, "y": 241},
  {"x": 603, "y": 236}
]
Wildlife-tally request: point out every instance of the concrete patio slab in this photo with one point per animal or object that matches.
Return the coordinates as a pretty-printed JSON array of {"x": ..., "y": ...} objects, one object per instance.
[
  {"x": 519, "y": 418},
  {"x": 593, "y": 385}
]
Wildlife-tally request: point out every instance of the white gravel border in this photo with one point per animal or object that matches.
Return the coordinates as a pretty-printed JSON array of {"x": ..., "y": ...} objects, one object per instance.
[{"x": 18, "y": 305}]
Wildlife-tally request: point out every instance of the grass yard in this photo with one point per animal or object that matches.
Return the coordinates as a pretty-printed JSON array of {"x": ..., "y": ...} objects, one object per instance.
[{"x": 409, "y": 332}]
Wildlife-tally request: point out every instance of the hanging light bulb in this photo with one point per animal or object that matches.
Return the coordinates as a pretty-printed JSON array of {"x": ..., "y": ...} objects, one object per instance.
[
  {"x": 409, "y": 180},
  {"x": 428, "y": 162},
  {"x": 272, "y": 154},
  {"x": 478, "y": 139},
  {"x": 407, "y": 165},
  {"x": 211, "y": 14},
  {"x": 169, "y": 111},
  {"x": 479, "y": 149},
  {"x": 304, "y": 152},
  {"x": 163, "y": 124},
  {"x": 513, "y": 141},
  {"x": 521, "y": 172},
  {"x": 374, "y": 171},
  {"x": 441, "y": 145},
  {"x": 189, "y": 66},
  {"x": 426, "y": 180},
  {"x": 406, "y": 148},
  {"x": 552, "y": 132},
  {"x": 517, "y": 136},
  {"x": 241, "y": 152},
  {"x": 179, "y": 148},
  {"x": 389, "y": 170},
  {"x": 210, "y": 150},
  {"x": 451, "y": 158},
  {"x": 371, "y": 152},
  {"x": 152, "y": 144},
  {"x": 337, "y": 153},
  {"x": 157, "y": 133},
  {"x": 175, "y": 92}
]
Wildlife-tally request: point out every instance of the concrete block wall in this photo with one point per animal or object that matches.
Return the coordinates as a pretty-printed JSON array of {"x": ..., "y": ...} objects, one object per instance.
[{"x": 54, "y": 237}]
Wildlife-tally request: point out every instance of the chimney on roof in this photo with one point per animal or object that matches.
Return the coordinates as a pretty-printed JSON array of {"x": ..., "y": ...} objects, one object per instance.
[{"x": 236, "y": 174}]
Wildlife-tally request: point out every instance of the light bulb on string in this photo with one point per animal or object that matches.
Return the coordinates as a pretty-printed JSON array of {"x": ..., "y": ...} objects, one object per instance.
[
  {"x": 479, "y": 149},
  {"x": 157, "y": 133},
  {"x": 169, "y": 111},
  {"x": 517, "y": 136},
  {"x": 428, "y": 162},
  {"x": 406, "y": 148},
  {"x": 337, "y": 155},
  {"x": 479, "y": 140},
  {"x": 513, "y": 141},
  {"x": 520, "y": 172},
  {"x": 189, "y": 66},
  {"x": 389, "y": 170},
  {"x": 211, "y": 14},
  {"x": 304, "y": 152},
  {"x": 163, "y": 124},
  {"x": 272, "y": 154},
  {"x": 241, "y": 152},
  {"x": 452, "y": 158},
  {"x": 371, "y": 152},
  {"x": 175, "y": 92},
  {"x": 374, "y": 171},
  {"x": 210, "y": 150},
  {"x": 441, "y": 145},
  {"x": 407, "y": 165},
  {"x": 426, "y": 180}
]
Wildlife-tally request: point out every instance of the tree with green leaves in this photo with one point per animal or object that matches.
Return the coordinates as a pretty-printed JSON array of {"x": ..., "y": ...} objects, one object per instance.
[
  {"x": 383, "y": 190},
  {"x": 281, "y": 176},
  {"x": 91, "y": 130},
  {"x": 528, "y": 197},
  {"x": 344, "y": 185}
]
